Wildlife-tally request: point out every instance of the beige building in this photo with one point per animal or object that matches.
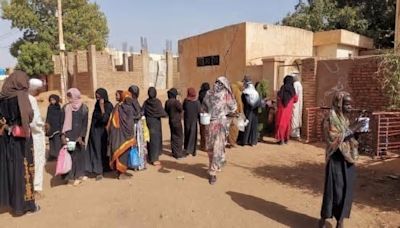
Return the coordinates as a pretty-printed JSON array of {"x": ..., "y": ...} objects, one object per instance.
[{"x": 263, "y": 51}]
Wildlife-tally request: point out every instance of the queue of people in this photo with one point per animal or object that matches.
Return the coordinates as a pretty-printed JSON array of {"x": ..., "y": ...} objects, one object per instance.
[{"x": 116, "y": 132}]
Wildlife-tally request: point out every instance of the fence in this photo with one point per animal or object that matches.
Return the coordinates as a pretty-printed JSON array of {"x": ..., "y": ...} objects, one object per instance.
[
  {"x": 383, "y": 137},
  {"x": 387, "y": 132}
]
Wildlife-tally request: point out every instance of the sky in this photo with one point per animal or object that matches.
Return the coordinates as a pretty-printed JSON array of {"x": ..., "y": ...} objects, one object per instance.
[{"x": 161, "y": 20}]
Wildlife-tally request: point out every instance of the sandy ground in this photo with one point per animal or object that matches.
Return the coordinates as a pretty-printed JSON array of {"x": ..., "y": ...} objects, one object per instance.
[{"x": 262, "y": 186}]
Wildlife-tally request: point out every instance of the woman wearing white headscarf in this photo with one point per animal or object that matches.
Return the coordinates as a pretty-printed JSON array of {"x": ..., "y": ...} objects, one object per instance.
[
  {"x": 220, "y": 103},
  {"x": 38, "y": 135},
  {"x": 251, "y": 102}
]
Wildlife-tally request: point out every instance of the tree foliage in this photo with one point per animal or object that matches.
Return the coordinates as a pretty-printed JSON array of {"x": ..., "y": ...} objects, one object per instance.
[
  {"x": 389, "y": 69},
  {"x": 83, "y": 24},
  {"x": 372, "y": 18}
]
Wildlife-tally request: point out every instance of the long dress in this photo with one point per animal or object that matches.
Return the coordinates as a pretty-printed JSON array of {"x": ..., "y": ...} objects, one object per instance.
[
  {"x": 121, "y": 136},
  {"x": 79, "y": 129},
  {"x": 140, "y": 123},
  {"x": 16, "y": 164},
  {"x": 174, "y": 109},
  {"x": 53, "y": 119},
  {"x": 96, "y": 158},
  {"x": 283, "y": 120},
  {"x": 39, "y": 144},
  {"x": 192, "y": 111},
  {"x": 203, "y": 128},
  {"x": 297, "y": 111},
  {"x": 218, "y": 105},
  {"x": 233, "y": 128},
  {"x": 338, "y": 191},
  {"x": 154, "y": 124},
  {"x": 250, "y": 135}
]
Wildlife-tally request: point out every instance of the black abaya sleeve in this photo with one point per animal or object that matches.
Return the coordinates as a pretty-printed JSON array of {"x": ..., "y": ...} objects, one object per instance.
[
  {"x": 107, "y": 113},
  {"x": 85, "y": 117}
]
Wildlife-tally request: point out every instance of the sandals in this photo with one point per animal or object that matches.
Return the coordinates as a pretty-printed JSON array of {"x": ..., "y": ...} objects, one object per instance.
[{"x": 212, "y": 179}]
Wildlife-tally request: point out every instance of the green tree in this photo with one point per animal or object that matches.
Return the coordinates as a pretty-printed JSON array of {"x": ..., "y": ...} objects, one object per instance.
[
  {"x": 83, "y": 24},
  {"x": 372, "y": 18}
]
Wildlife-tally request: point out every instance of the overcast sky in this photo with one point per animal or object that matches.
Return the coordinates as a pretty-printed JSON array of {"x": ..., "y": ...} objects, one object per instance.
[{"x": 159, "y": 20}]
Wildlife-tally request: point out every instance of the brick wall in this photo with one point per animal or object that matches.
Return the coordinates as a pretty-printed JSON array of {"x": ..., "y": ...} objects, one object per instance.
[
  {"x": 80, "y": 72},
  {"x": 363, "y": 83},
  {"x": 309, "y": 82}
]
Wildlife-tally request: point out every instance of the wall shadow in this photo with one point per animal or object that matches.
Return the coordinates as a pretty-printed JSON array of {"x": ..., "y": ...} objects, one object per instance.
[
  {"x": 274, "y": 211},
  {"x": 373, "y": 186},
  {"x": 199, "y": 169}
]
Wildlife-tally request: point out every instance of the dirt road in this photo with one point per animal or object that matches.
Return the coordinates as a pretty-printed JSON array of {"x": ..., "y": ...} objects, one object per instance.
[{"x": 262, "y": 186}]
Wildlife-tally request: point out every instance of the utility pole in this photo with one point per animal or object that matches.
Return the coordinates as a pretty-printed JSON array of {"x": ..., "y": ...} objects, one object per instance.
[
  {"x": 397, "y": 29},
  {"x": 63, "y": 78}
]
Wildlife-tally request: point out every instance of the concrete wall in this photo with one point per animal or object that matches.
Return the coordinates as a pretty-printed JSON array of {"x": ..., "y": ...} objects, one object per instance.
[
  {"x": 228, "y": 42},
  {"x": 345, "y": 37},
  {"x": 345, "y": 51},
  {"x": 272, "y": 40},
  {"x": 336, "y": 51}
]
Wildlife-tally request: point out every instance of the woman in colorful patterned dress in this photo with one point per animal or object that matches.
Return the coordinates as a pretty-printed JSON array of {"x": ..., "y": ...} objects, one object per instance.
[{"x": 221, "y": 105}]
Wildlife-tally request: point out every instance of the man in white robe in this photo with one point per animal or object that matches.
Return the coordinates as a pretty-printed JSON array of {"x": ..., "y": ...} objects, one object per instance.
[
  {"x": 38, "y": 136},
  {"x": 297, "y": 108}
]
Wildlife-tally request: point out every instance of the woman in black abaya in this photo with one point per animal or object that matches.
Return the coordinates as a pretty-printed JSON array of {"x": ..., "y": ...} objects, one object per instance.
[
  {"x": 153, "y": 112},
  {"x": 97, "y": 160}
]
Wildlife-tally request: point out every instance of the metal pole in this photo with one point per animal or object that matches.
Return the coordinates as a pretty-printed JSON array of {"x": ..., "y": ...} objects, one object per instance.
[{"x": 63, "y": 78}]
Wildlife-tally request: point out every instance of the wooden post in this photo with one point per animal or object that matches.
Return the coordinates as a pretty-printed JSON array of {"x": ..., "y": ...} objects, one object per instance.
[
  {"x": 61, "y": 44},
  {"x": 397, "y": 29}
]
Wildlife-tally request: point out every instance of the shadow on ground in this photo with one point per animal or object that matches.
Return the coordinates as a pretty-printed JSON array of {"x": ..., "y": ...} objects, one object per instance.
[
  {"x": 55, "y": 181},
  {"x": 274, "y": 211},
  {"x": 374, "y": 187},
  {"x": 199, "y": 169}
]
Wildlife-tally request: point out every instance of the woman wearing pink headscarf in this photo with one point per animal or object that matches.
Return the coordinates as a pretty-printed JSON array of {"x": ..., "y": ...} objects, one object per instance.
[{"x": 74, "y": 122}]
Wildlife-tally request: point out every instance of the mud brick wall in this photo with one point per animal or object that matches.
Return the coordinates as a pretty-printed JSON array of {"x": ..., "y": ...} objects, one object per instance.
[{"x": 113, "y": 80}]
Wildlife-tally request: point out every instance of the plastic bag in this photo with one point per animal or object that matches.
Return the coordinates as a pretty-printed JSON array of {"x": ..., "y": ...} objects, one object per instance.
[
  {"x": 64, "y": 162},
  {"x": 134, "y": 159}
]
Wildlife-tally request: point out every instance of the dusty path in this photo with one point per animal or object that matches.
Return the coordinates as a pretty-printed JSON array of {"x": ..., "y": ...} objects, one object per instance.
[{"x": 262, "y": 186}]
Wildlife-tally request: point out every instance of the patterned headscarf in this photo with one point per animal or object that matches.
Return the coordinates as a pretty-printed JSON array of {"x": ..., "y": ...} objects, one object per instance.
[
  {"x": 220, "y": 101},
  {"x": 336, "y": 127}
]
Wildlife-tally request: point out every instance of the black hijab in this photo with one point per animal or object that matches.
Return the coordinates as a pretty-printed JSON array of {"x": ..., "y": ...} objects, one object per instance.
[
  {"x": 134, "y": 90},
  {"x": 54, "y": 115},
  {"x": 203, "y": 91},
  {"x": 287, "y": 91},
  {"x": 152, "y": 106},
  {"x": 97, "y": 115},
  {"x": 172, "y": 93}
]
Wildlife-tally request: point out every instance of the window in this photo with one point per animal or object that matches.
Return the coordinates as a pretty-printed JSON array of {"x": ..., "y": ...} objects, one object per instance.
[{"x": 208, "y": 61}]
